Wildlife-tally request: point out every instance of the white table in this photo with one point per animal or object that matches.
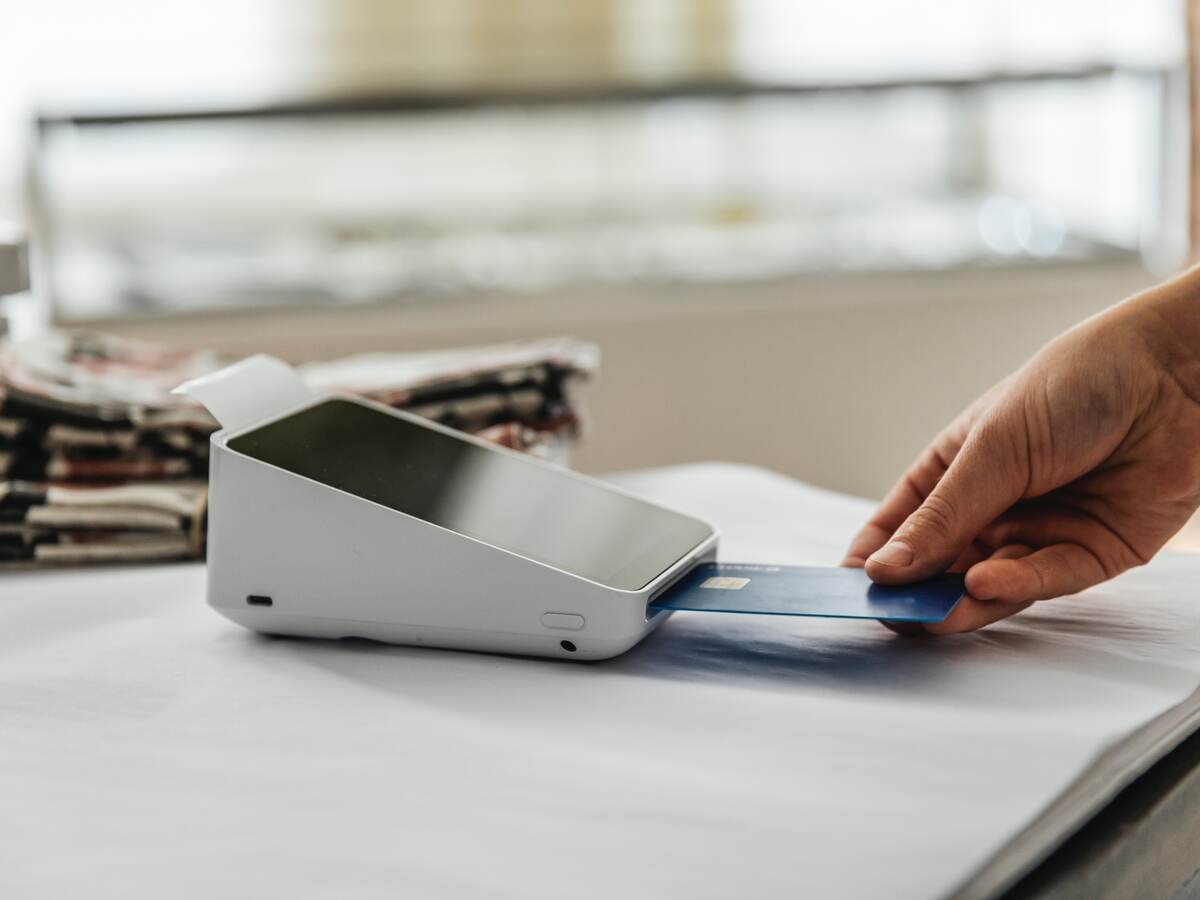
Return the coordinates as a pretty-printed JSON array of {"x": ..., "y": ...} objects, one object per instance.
[{"x": 150, "y": 749}]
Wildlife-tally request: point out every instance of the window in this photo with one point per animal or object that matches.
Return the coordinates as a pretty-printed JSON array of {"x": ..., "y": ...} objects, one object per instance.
[{"x": 354, "y": 152}]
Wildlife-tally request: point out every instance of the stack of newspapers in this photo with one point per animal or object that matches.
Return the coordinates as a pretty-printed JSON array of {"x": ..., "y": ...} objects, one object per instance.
[{"x": 99, "y": 462}]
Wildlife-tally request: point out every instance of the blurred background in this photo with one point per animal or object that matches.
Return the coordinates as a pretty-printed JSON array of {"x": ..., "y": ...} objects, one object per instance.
[{"x": 803, "y": 234}]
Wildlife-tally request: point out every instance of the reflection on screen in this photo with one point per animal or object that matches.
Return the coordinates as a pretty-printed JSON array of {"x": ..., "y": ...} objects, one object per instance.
[{"x": 512, "y": 503}]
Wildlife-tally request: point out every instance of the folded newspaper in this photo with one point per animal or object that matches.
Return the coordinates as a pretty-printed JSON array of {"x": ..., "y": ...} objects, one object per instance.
[{"x": 99, "y": 462}]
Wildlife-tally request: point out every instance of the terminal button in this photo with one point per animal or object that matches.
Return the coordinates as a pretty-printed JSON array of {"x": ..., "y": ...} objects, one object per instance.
[{"x": 565, "y": 621}]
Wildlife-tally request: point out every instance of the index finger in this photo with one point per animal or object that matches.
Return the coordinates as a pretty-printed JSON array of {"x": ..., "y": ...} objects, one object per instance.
[{"x": 901, "y": 502}]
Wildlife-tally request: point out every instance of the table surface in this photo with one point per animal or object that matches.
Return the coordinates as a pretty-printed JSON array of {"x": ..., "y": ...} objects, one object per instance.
[
  {"x": 1146, "y": 841},
  {"x": 154, "y": 749}
]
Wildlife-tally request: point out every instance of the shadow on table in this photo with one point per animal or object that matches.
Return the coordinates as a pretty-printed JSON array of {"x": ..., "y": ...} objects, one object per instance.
[
  {"x": 782, "y": 654},
  {"x": 754, "y": 653},
  {"x": 854, "y": 656}
]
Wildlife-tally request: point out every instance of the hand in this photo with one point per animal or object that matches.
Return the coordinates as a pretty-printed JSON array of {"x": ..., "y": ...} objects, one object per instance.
[{"x": 1078, "y": 466}]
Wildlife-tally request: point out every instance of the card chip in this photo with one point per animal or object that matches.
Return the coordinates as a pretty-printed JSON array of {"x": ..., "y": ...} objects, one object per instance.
[{"x": 724, "y": 583}]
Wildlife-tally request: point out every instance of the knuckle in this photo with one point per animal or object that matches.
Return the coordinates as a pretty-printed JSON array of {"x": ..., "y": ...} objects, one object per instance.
[
  {"x": 934, "y": 461},
  {"x": 936, "y": 517},
  {"x": 924, "y": 474},
  {"x": 1124, "y": 556},
  {"x": 1054, "y": 570},
  {"x": 1179, "y": 481},
  {"x": 1003, "y": 439}
]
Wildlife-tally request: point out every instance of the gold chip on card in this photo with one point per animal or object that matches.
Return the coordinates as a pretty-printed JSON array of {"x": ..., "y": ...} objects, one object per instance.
[{"x": 724, "y": 583}]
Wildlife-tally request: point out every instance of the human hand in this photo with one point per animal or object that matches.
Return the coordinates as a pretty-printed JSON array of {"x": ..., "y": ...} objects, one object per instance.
[{"x": 1078, "y": 466}]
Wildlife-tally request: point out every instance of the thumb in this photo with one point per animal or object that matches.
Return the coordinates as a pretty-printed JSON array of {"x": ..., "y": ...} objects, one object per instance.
[{"x": 989, "y": 474}]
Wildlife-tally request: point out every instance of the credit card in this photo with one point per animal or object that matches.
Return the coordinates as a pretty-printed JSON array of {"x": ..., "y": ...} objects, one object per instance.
[{"x": 810, "y": 591}]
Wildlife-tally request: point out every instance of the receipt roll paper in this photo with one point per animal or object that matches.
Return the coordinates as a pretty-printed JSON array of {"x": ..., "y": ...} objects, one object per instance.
[{"x": 332, "y": 516}]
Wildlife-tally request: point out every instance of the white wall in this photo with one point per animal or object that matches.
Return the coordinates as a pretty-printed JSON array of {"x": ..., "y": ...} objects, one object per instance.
[{"x": 838, "y": 381}]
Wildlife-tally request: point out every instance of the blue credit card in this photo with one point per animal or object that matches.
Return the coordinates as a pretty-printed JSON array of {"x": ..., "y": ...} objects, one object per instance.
[{"x": 810, "y": 591}]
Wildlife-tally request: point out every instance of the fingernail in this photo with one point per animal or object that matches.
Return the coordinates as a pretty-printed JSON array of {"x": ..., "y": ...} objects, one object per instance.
[{"x": 897, "y": 553}]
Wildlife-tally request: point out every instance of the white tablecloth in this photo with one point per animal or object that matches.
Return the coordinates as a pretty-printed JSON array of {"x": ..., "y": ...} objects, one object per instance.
[{"x": 151, "y": 749}]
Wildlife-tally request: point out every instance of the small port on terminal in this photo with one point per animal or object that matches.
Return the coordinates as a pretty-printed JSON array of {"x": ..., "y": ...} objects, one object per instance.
[
  {"x": 259, "y": 600},
  {"x": 569, "y": 646}
]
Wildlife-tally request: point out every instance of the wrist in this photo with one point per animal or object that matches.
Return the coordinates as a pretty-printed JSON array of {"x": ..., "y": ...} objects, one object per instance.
[{"x": 1167, "y": 318}]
